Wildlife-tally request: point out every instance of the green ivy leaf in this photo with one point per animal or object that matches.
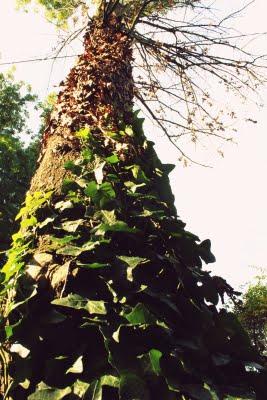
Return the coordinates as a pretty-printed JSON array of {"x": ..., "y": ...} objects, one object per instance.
[
  {"x": 112, "y": 159},
  {"x": 118, "y": 226},
  {"x": 72, "y": 301},
  {"x": 75, "y": 251},
  {"x": 107, "y": 191},
  {"x": 93, "y": 265},
  {"x": 84, "y": 133},
  {"x": 91, "y": 189},
  {"x": 46, "y": 393},
  {"x": 28, "y": 222},
  {"x": 64, "y": 240},
  {"x": 109, "y": 217},
  {"x": 71, "y": 166},
  {"x": 155, "y": 356},
  {"x": 80, "y": 388},
  {"x": 138, "y": 173},
  {"x": 87, "y": 155},
  {"x": 97, "y": 307},
  {"x": 140, "y": 315}
]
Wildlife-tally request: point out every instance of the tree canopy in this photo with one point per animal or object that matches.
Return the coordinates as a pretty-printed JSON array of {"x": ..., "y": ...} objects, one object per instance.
[
  {"x": 178, "y": 56},
  {"x": 14, "y": 100},
  {"x": 16, "y": 161},
  {"x": 252, "y": 312}
]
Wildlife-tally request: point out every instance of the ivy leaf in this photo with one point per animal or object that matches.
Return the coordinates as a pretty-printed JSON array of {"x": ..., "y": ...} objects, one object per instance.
[
  {"x": 138, "y": 173},
  {"x": 84, "y": 133},
  {"x": 44, "y": 392},
  {"x": 46, "y": 222},
  {"x": 71, "y": 166},
  {"x": 109, "y": 216},
  {"x": 28, "y": 222},
  {"x": 111, "y": 224},
  {"x": 132, "y": 186},
  {"x": 107, "y": 191},
  {"x": 97, "y": 386},
  {"x": 71, "y": 226},
  {"x": 93, "y": 265},
  {"x": 72, "y": 301},
  {"x": 81, "y": 303},
  {"x": 87, "y": 155},
  {"x": 205, "y": 252},
  {"x": 118, "y": 226},
  {"x": 63, "y": 205},
  {"x": 77, "y": 367},
  {"x": 98, "y": 171},
  {"x": 80, "y": 388},
  {"x": 22, "y": 351},
  {"x": 112, "y": 159},
  {"x": 64, "y": 240},
  {"x": 97, "y": 307},
  {"x": 91, "y": 189},
  {"x": 168, "y": 168},
  {"x": 71, "y": 250},
  {"x": 132, "y": 263},
  {"x": 140, "y": 315},
  {"x": 129, "y": 130},
  {"x": 155, "y": 356}
]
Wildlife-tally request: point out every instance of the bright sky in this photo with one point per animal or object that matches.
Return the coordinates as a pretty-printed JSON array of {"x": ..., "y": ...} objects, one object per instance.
[{"x": 226, "y": 203}]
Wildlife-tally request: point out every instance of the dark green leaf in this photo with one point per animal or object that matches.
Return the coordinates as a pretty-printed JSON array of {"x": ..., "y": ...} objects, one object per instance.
[
  {"x": 91, "y": 189},
  {"x": 140, "y": 315}
]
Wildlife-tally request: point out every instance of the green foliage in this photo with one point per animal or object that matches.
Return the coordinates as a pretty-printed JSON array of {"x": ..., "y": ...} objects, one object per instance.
[
  {"x": 46, "y": 108},
  {"x": 121, "y": 308},
  {"x": 252, "y": 312},
  {"x": 16, "y": 162},
  {"x": 57, "y": 11},
  {"x": 60, "y": 11},
  {"x": 14, "y": 100},
  {"x": 16, "y": 168}
]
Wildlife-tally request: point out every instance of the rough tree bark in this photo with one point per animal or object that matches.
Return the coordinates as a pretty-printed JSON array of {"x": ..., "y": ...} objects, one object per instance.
[
  {"x": 98, "y": 93},
  {"x": 107, "y": 298}
]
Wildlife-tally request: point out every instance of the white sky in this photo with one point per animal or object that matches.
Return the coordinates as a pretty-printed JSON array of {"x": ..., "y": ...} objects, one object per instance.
[{"x": 226, "y": 203}]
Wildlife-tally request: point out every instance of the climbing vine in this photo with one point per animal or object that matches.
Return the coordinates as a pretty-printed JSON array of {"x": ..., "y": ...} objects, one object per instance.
[{"x": 111, "y": 299}]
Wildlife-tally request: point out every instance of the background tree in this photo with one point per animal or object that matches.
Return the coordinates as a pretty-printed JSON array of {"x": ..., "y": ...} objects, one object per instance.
[
  {"x": 252, "y": 312},
  {"x": 106, "y": 297},
  {"x": 16, "y": 160}
]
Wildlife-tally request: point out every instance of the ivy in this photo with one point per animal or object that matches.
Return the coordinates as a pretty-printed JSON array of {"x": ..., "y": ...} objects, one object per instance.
[{"x": 121, "y": 307}]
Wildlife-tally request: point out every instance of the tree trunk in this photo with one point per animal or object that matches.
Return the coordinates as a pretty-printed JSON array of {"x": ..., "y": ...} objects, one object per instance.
[
  {"x": 98, "y": 94},
  {"x": 107, "y": 297}
]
